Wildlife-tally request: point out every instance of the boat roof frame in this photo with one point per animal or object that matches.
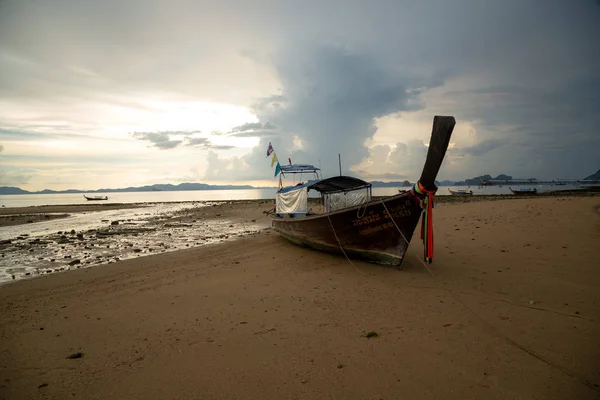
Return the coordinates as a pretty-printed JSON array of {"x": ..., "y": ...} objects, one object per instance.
[{"x": 334, "y": 184}]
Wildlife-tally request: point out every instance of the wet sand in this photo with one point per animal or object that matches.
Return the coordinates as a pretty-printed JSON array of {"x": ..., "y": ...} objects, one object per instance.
[
  {"x": 509, "y": 309},
  {"x": 66, "y": 208},
  {"x": 12, "y": 216},
  {"x": 98, "y": 237},
  {"x": 24, "y": 218}
]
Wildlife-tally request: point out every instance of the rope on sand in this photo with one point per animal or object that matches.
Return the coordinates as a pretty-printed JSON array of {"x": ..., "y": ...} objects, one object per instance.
[
  {"x": 342, "y": 248},
  {"x": 512, "y": 342},
  {"x": 394, "y": 221},
  {"x": 491, "y": 327}
]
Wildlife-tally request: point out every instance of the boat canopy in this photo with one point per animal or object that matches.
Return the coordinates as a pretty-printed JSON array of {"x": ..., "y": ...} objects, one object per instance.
[
  {"x": 298, "y": 169},
  {"x": 338, "y": 192},
  {"x": 331, "y": 185}
]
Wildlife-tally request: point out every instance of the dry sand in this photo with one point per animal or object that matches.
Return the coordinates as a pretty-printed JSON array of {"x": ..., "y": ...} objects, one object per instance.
[{"x": 509, "y": 310}]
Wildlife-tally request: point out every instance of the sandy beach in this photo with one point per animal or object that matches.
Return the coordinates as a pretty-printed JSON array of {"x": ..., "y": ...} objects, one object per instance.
[{"x": 510, "y": 309}]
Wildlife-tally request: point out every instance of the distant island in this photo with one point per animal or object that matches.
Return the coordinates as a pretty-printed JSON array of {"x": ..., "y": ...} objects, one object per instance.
[
  {"x": 593, "y": 177},
  {"x": 467, "y": 182},
  {"x": 475, "y": 181}
]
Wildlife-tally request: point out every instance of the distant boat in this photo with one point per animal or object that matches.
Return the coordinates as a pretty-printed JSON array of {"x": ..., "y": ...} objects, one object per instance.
[
  {"x": 94, "y": 198},
  {"x": 460, "y": 192},
  {"x": 524, "y": 191}
]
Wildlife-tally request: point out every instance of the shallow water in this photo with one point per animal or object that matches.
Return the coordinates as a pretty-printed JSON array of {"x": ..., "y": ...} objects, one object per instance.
[
  {"x": 89, "y": 239},
  {"x": 26, "y": 200},
  {"x": 92, "y": 219}
]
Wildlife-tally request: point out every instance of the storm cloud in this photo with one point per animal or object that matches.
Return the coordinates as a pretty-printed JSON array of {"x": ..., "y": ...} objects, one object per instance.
[{"x": 331, "y": 97}]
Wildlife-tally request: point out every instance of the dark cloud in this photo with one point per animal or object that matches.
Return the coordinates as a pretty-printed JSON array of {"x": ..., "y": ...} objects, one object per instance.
[
  {"x": 164, "y": 141},
  {"x": 483, "y": 147},
  {"x": 547, "y": 131},
  {"x": 247, "y": 127},
  {"x": 257, "y": 133},
  {"x": 330, "y": 98},
  {"x": 15, "y": 177},
  {"x": 7, "y": 134},
  {"x": 254, "y": 129},
  {"x": 169, "y": 144},
  {"x": 197, "y": 141},
  {"x": 29, "y": 133},
  {"x": 384, "y": 176},
  {"x": 160, "y": 140},
  {"x": 251, "y": 126},
  {"x": 205, "y": 143}
]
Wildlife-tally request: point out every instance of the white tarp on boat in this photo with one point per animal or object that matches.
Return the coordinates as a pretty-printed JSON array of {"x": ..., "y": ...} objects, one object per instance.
[
  {"x": 339, "y": 200},
  {"x": 294, "y": 201}
]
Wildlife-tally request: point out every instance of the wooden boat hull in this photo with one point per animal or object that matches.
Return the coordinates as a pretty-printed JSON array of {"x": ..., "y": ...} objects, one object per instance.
[
  {"x": 364, "y": 232},
  {"x": 96, "y": 198},
  {"x": 457, "y": 193}
]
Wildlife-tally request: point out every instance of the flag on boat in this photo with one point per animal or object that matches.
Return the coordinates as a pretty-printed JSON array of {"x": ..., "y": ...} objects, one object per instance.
[
  {"x": 274, "y": 160},
  {"x": 290, "y": 160},
  {"x": 277, "y": 169}
]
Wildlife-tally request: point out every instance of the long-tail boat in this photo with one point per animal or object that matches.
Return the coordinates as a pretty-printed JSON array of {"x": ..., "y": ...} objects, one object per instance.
[
  {"x": 523, "y": 191},
  {"x": 95, "y": 198},
  {"x": 460, "y": 192},
  {"x": 354, "y": 224}
]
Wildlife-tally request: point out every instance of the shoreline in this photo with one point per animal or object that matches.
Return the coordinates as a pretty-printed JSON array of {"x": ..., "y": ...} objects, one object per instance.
[
  {"x": 442, "y": 194},
  {"x": 78, "y": 208},
  {"x": 97, "y": 238},
  {"x": 27, "y": 256}
]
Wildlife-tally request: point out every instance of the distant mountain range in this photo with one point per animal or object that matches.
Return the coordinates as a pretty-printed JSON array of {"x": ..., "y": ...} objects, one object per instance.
[
  {"x": 4, "y": 190},
  {"x": 151, "y": 188}
]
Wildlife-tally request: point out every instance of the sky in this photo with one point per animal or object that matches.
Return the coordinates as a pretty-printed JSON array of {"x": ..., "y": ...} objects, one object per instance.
[{"x": 107, "y": 94}]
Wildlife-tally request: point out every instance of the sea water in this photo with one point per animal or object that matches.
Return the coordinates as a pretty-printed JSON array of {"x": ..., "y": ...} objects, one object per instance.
[{"x": 26, "y": 200}]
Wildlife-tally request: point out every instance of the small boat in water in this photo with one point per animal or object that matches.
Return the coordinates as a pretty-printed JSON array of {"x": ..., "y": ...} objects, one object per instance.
[
  {"x": 460, "y": 192},
  {"x": 524, "y": 191},
  {"x": 354, "y": 224},
  {"x": 94, "y": 198}
]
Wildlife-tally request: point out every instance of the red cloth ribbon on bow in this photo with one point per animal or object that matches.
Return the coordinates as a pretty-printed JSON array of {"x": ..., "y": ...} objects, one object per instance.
[{"x": 427, "y": 221}]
